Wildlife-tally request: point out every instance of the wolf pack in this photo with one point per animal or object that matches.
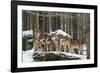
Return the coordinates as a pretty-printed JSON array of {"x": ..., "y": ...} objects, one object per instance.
[{"x": 46, "y": 42}]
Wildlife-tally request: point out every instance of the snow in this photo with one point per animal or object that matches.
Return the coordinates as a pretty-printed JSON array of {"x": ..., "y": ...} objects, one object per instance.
[
  {"x": 30, "y": 40},
  {"x": 62, "y": 33},
  {"x": 75, "y": 55},
  {"x": 28, "y": 32},
  {"x": 28, "y": 55}
]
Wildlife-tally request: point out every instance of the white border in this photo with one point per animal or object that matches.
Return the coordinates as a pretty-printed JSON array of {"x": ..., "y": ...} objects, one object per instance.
[{"x": 56, "y": 9}]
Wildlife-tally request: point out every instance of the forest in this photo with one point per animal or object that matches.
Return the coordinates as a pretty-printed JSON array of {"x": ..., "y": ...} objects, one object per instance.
[{"x": 76, "y": 25}]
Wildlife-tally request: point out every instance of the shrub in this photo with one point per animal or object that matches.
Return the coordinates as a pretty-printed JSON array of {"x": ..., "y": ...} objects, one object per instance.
[{"x": 27, "y": 42}]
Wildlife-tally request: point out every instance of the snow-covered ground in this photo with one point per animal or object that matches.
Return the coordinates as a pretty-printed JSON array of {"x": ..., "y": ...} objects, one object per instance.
[{"x": 28, "y": 55}]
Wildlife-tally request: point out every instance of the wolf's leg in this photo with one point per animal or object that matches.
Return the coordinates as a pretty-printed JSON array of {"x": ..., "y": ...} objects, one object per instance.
[
  {"x": 65, "y": 48},
  {"x": 60, "y": 48}
]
